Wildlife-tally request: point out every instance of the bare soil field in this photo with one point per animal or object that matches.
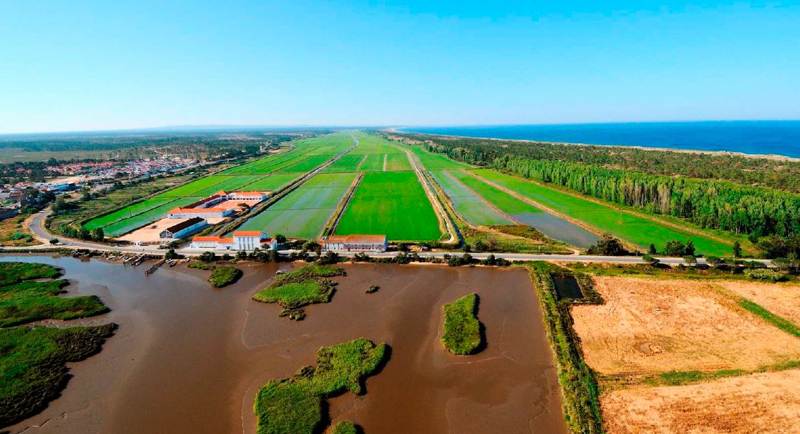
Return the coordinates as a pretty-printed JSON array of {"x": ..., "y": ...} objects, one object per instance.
[
  {"x": 779, "y": 298},
  {"x": 651, "y": 326},
  {"x": 763, "y": 403}
]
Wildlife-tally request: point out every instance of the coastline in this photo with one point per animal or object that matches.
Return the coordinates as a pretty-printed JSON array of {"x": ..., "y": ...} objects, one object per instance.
[{"x": 772, "y": 157}]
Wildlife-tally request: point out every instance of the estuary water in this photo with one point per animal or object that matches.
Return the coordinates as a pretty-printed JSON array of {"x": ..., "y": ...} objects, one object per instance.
[
  {"x": 190, "y": 358},
  {"x": 749, "y": 137}
]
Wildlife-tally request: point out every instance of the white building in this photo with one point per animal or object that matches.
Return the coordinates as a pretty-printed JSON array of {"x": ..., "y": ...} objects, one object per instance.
[
  {"x": 183, "y": 229},
  {"x": 248, "y": 196},
  {"x": 355, "y": 243},
  {"x": 241, "y": 241},
  {"x": 204, "y": 213}
]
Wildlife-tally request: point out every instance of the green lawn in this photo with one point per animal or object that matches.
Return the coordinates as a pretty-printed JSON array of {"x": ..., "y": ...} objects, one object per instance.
[
  {"x": 303, "y": 212},
  {"x": 295, "y": 405},
  {"x": 636, "y": 230},
  {"x": 391, "y": 203}
]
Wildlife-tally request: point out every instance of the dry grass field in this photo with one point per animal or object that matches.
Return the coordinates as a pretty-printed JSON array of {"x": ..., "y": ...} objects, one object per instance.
[
  {"x": 650, "y": 326},
  {"x": 757, "y": 403},
  {"x": 779, "y": 298}
]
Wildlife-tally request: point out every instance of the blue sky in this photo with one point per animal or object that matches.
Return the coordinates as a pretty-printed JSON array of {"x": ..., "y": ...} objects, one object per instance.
[{"x": 85, "y": 65}]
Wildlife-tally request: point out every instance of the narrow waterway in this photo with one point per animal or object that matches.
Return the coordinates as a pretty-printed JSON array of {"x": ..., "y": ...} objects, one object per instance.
[{"x": 190, "y": 358}]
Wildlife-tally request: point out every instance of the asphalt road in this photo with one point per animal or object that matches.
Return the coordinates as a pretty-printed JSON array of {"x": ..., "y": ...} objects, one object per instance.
[{"x": 36, "y": 226}]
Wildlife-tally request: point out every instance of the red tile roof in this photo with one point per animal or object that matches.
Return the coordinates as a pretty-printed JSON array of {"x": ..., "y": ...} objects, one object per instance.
[{"x": 247, "y": 234}]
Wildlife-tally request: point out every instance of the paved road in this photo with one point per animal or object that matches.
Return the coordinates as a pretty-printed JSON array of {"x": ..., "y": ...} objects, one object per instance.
[{"x": 36, "y": 225}]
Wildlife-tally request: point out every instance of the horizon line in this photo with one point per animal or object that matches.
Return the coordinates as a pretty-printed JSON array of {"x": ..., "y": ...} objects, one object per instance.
[{"x": 189, "y": 128}]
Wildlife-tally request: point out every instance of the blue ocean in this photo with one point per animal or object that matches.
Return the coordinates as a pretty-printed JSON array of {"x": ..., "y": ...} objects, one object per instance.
[{"x": 750, "y": 137}]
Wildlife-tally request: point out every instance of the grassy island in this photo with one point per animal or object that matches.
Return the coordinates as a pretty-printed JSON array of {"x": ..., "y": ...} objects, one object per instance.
[
  {"x": 26, "y": 300},
  {"x": 224, "y": 276},
  {"x": 462, "y": 330},
  {"x": 345, "y": 427},
  {"x": 301, "y": 287},
  {"x": 295, "y": 405},
  {"x": 33, "y": 360}
]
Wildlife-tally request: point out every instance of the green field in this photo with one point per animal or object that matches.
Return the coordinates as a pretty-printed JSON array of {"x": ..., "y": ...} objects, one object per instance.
[
  {"x": 303, "y": 212},
  {"x": 634, "y": 229},
  {"x": 348, "y": 163},
  {"x": 435, "y": 162},
  {"x": 468, "y": 204},
  {"x": 391, "y": 203},
  {"x": 502, "y": 200},
  {"x": 124, "y": 226},
  {"x": 266, "y": 174}
]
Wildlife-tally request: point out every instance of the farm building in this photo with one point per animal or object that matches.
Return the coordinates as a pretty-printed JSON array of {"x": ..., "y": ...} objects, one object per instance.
[
  {"x": 184, "y": 228},
  {"x": 247, "y": 196},
  {"x": 240, "y": 241},
  {"x": 355, "y": 243},
  {"x": 218, "y": 205}
]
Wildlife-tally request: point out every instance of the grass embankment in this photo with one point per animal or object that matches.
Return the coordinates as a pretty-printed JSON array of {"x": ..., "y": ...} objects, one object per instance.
[
  {"x": 301, "y": 287},
  {"x": 224, "y": 276},
  {"x": 296, "y": 405},
  {"x": 23, "y": 300},
  {"x": 33, "y": 360},
  {"x": 462, "y": 330},
  {"x": 579, "y": 390}
]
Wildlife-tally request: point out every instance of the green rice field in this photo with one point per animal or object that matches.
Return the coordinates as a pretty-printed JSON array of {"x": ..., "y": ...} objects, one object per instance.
[
  {"x": 390, "y": 203},
  {"x": 469, "y": 205},
  {"x": 304, "y": 212},
  {"x": 637, "y": 230},
  {"x": 266, "y": 174}
]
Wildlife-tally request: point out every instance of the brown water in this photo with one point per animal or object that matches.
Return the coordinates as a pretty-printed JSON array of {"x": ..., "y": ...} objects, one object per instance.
[{"x": 189, "y": 358}]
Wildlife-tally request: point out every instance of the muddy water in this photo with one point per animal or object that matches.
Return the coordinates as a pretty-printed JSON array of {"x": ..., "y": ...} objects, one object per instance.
[{"x": 188, "y": 358}]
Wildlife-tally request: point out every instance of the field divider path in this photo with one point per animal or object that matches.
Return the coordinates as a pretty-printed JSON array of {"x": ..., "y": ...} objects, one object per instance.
[
  {"x": 333, "y": 221},
  {"x": 280, "y": 194},
  {"x": 546, "y": 208},
  {"x": 445, "y": 222},
  {"x": 385, "y": 159}
]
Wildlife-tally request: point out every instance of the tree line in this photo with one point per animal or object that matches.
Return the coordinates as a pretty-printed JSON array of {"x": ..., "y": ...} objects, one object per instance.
[{"x": 770, "y": 217}]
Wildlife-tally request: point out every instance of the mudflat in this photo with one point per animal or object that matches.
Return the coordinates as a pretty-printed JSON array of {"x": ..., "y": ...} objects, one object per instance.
[{"x": 190, "y": 358}]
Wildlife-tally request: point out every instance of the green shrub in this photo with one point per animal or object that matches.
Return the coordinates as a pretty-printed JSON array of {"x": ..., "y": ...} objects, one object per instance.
[
  {"x": 224, "y": 276},
  {"x": 766, "y": 274},
  {"x": 462, "y": 330},
  {"x": 345, "y": 427}
]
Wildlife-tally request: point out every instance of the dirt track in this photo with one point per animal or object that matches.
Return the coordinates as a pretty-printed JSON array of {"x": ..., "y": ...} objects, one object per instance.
[
  {"x": 759, "y": 403},
  {"x": 650, "y": 326}
]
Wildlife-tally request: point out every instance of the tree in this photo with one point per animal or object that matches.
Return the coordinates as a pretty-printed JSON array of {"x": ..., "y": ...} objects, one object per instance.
[
  {"x": 171, "y": 254},
  {"x": 737, "y": 249},
  {"x": 98, "y": 234},
  {"x": 652, "y": 249},
  {"x": 675, "y": 248},
  {"x": 608, "y": 246},
  {"x": 312, "y": 246},
  {"x": 280, "y": 239}
]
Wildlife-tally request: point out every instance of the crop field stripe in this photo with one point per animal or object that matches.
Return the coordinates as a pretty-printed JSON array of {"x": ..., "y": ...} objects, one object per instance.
[
  {"x": 304, "y": 212},
  {"x": 469, "y": 205},
  {"x": 433, "y": 161},
  {"x": 502, "y": 200},
  {"x": 126, "y": 212},
  {"x": 126, "y": 225},
  {"x": 629, "y": 227},
  {"x": 391, "y": 203}
]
